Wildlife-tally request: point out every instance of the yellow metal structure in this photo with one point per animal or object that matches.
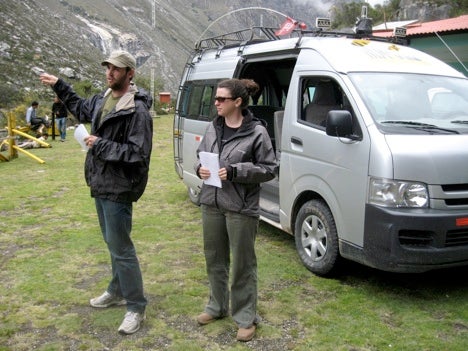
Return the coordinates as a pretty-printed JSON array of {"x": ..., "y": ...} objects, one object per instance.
[{"x": 11, "y": 142}]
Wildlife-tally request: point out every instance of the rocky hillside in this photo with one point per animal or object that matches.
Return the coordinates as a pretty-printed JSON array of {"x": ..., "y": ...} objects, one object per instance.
[
  {"x": 70, "y": 37},
  {"x": 424, "y": 10}
]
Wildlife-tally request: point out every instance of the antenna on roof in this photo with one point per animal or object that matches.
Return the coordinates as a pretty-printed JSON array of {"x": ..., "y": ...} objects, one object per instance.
[{"x": 363, "y": 23}]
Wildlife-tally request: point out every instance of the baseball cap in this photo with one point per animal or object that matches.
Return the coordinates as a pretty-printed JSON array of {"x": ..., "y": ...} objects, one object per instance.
[{"x": 120, "y": 58}]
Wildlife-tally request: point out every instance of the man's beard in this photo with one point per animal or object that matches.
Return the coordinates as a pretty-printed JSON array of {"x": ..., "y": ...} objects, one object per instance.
[{"x": 118, "y": 84}]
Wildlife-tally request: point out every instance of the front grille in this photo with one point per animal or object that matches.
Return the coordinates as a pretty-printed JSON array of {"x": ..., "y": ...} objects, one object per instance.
[
  {"x": 449, "y": 196},
  {"x": 456, "y": 237},
  {"x": 456, "y": 202},
  {"x": 415, "y": 238},
  {"x": 419, "y": 239},
  {"x": 454, "y": 187}
]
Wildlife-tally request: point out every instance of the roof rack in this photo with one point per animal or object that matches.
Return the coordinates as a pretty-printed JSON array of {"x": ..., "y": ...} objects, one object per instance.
[
  {"x": 258, "y": 34},
  {"x": 247, "y": 35}
]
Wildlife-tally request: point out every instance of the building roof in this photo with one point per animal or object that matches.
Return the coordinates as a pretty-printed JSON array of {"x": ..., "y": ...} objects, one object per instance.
[
  {"x": 417, "y": 28},
  {"x": 391, "y": 25}
]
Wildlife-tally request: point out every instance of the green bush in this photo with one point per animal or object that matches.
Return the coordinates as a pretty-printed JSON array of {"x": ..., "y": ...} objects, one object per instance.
[
  {"x": 9, "y": 96},
  {"x": 85, "y": 88}
]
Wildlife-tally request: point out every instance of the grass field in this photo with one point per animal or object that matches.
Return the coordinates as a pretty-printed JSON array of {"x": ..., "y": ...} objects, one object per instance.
[{"x": 53, "y": 260}]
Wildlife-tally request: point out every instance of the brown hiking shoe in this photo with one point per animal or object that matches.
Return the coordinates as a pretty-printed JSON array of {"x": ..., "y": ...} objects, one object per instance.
[
  {"x": 205, "y": 318},
  {"x": 246, "y": 334}
]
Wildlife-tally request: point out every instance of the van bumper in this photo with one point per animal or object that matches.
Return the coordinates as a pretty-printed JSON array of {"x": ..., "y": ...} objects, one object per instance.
[{"x": 414, "y": 240}]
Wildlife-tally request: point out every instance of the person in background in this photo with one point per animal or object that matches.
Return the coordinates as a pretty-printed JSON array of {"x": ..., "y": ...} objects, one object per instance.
[
  {"x": 60, "y": 113},
  {"x": 36, "y": 123},
  {"x": 33, "y": 144},
  {"x": 116, "y": 170},
  {"x": 230, "y": 213}
]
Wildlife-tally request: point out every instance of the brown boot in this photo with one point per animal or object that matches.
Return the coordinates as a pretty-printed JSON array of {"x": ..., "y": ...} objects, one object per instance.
[
  {"x": 246, "y": 334},
  {"x": 205, "y": 318}
]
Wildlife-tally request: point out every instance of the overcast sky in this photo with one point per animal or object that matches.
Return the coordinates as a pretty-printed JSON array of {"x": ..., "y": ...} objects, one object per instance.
[{"x": 375, "y": 2}]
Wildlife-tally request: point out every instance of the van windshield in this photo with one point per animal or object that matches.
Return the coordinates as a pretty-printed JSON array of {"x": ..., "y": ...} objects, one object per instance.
[{"x": 415, "y": 103}]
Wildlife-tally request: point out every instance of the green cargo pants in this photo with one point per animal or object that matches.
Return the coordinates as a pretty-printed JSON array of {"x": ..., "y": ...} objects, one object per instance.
[{"x": 225, "y": 232}]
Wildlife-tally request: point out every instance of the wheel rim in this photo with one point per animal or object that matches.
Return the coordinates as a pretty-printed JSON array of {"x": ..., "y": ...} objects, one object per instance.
[
  {"x": 193, "y": 194},
  {"x": 314, "y": 238}
]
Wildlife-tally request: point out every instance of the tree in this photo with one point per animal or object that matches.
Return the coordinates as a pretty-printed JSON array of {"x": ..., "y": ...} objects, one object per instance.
[
  {"x": 85, "y": 88},
  {"x": 145, "y": 83},
  {"x": 460, "y": 7},
  {"x": 344, "y": 14}
]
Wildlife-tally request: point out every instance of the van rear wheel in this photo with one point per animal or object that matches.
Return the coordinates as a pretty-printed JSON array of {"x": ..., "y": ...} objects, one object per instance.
[{"x": 316, "y": 238}]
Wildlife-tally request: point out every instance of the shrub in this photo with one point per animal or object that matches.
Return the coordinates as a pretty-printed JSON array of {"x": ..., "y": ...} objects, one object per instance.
[{"x": 9, "y": 96}]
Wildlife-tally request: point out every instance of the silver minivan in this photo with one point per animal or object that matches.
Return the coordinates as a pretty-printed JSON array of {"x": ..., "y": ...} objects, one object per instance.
[{"x": 371, "y": 139}]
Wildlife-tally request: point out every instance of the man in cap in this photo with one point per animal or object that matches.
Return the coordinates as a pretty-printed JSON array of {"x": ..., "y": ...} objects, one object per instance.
[{"x": 116, "y": 170}]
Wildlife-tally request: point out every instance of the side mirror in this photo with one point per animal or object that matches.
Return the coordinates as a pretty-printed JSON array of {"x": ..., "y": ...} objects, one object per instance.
[{"x": 340, "y": 124}]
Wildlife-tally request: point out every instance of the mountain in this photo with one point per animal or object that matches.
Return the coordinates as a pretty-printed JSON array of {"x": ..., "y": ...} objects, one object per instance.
[{"x": 70, "y": 38}]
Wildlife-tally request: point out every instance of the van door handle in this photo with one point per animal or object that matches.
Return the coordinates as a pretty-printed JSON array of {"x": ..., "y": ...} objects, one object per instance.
[{"x": 296, "y": 141}]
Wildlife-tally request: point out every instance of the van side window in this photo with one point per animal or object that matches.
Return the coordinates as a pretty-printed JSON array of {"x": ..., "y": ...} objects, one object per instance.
[
  {"x": 206, "y": 101},
  {"x": 200, "y": 101},
  {"x": 319, "y": 96}
]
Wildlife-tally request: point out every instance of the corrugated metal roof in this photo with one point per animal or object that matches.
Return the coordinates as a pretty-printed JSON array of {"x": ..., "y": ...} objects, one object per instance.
[
  {"x": 446, "y": 25},
  {"x": 391, "y": 25}
]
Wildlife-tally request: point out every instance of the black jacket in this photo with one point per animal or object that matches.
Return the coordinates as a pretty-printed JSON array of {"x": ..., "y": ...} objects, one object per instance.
[
  {"x": 116, "y": 167},
  {"x": 59, "y": 110}
]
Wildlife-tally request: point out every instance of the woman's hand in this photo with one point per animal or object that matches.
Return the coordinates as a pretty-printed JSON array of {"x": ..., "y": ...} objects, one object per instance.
[
  {"x": 204, "y": 173},
  {"x": 222, "y": 173}
]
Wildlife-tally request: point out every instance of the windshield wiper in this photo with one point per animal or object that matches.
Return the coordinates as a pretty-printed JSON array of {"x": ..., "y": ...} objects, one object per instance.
[{"x": 422, "y": 126}]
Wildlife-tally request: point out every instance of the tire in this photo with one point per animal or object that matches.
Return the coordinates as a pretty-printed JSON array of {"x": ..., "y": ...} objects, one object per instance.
[
  {"x": 316, "y": 238},
  {"x": 194, "y": 195}
]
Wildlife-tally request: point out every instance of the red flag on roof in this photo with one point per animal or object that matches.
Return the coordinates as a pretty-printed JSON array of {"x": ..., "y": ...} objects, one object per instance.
[{"x": 287, "y": 27}]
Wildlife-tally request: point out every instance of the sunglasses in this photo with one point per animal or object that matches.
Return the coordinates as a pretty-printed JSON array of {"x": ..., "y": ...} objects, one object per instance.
[{"x": 223, "y": 98}]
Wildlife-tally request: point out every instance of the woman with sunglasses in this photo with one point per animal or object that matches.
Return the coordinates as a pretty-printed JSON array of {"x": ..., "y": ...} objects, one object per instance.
[{"x": 230, "y": 212}]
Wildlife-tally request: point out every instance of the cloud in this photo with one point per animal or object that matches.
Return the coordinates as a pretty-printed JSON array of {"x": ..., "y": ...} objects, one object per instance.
[{"x": 321, "y": 6}]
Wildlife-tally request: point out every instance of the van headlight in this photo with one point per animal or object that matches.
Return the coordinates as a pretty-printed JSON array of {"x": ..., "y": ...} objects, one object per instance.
[{"x": 393, "y": 193}]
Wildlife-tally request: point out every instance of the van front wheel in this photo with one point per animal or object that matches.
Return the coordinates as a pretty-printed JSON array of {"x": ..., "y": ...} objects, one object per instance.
[{"x": 316, "y": 238}]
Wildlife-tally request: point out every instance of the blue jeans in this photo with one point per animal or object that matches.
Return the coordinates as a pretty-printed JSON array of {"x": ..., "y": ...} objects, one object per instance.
[
  {"x": 115, "y": 220},
  {"x": 62, "y": 127}
]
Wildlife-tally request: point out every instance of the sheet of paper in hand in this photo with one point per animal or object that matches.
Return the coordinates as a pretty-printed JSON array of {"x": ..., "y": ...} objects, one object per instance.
[{"x": 211, "y": 161}]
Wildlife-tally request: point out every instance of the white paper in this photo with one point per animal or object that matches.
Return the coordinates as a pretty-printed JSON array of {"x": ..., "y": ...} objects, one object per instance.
[
  {"x": 211, "y": 161},
  {"x": 80, "y": 134}
]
